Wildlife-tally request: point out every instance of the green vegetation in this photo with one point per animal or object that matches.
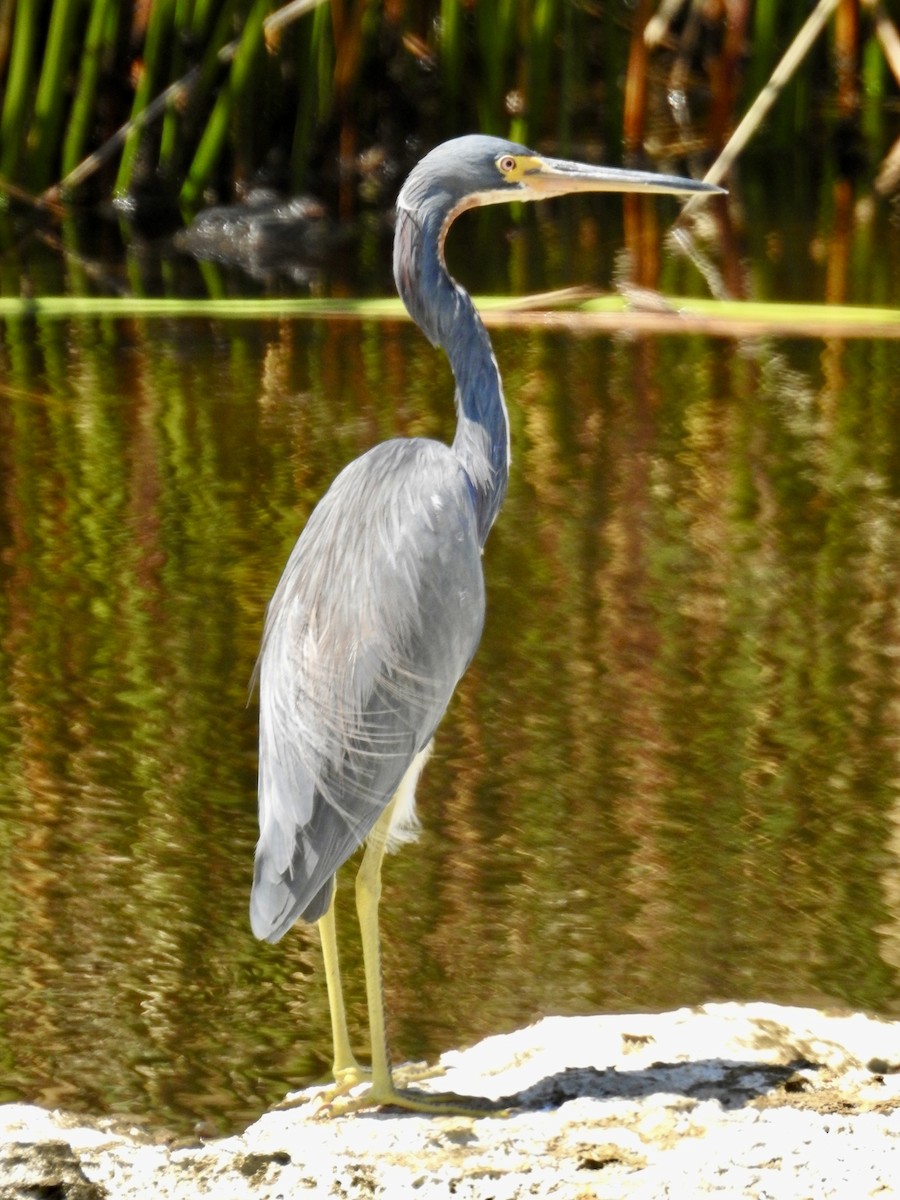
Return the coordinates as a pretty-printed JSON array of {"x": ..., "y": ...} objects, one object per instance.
[{"x": 179, "y": 96}]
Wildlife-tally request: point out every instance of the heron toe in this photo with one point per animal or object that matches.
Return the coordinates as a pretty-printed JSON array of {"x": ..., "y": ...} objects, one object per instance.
[{"x": 435, "y": 1104}]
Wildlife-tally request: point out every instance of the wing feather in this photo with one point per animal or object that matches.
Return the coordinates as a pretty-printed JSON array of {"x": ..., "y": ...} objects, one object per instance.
[{"x": 377, "y": 615}]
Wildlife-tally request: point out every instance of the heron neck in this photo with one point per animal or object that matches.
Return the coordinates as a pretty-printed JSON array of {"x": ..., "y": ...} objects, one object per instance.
[{"x": 447, "y": 316}]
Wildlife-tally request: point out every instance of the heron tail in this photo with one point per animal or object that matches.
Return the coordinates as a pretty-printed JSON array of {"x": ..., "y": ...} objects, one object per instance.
[{"x": 275, "y": 905}]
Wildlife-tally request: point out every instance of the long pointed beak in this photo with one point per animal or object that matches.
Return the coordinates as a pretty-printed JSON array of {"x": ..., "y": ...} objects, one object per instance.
[{"x": 558, "y": 177}]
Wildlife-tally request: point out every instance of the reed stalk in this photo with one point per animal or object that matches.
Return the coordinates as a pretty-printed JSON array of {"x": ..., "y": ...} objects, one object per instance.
[
  {"x": 758, "y": 110},
  {"x": 314, "y": 41},
  {"x": 158, "y": 28},
  {"x": 561, "y": 58},
  {"x": 874, "y": 78},
  {"x": 7, "y": 18},
  {"x": 765, "y": 35},
  {"x": 215, "y": 133},
  {"x": 495, "y": 31},
  {"x": 567, "y": 79},
  {"x": 635, "y": 113},
  {"x": 539, "y": 36},
  {"x": 173, "y": 121},
  {"x": 846, "y": 56},
  {"x": 100, "y": 37},
  {"x": 324, "y": 62},
  {"x": 452, "y": 47},
  {"x": 51, "y": 99},
  {"x": 887, "y": 35},
  {"x": 17, "y": 94},
  {"x": 218, "y": 52}
]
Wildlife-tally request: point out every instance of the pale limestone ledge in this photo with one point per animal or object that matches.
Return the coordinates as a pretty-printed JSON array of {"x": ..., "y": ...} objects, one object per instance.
[{"x": 748, "y": 1100}]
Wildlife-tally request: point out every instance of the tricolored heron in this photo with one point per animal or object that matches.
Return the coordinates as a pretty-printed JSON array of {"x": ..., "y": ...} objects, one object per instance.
[{"x": 381, "y": 604}]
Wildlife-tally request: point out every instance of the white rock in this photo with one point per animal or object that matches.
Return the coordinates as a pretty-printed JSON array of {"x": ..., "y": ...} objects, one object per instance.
[{"x": 727, "y": 1100}]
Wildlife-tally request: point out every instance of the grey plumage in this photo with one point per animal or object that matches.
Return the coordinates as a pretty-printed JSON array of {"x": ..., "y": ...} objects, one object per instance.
[{"x": 351, "y": 688}]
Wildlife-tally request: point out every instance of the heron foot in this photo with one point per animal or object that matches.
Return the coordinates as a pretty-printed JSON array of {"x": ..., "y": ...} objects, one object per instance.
[
  {"x": 346, "y": 1079},
  {"x": 439, "y": 1104},
  {"x": 415, "y": 1072}
]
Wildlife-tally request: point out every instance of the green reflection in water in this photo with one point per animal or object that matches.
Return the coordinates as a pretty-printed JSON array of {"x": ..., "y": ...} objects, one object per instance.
[{"x": 669, "y": 776}]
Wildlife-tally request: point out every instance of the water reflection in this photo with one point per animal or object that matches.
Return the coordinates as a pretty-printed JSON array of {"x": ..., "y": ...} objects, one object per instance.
[{"x": 669, "y": 776}]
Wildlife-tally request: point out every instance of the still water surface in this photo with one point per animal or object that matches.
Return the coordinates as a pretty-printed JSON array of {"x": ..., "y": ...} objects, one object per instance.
[{"x": 670, "y": 776}]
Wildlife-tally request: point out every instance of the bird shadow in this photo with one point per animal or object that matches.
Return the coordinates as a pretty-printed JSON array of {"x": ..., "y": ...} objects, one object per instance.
[{"x": 733, "y": 1083}]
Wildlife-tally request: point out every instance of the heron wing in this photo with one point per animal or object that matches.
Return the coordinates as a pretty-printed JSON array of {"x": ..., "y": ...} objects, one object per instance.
[{"x": 377, "y": 615}]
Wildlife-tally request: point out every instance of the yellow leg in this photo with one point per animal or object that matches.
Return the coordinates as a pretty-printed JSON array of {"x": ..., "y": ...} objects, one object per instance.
[
  {"x": 383, "y": 1089},
  {"x": 348, "y": 1074},
  {"x": 346, "y": 1069},
  {"x": 368, "y": 896}
]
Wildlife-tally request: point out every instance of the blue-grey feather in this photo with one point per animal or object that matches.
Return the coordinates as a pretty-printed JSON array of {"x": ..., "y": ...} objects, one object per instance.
[{"x": 376, "y": 617}]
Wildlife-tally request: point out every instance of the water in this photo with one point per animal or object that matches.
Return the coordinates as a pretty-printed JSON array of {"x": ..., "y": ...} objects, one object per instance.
[{"x": 670, "y": 775}]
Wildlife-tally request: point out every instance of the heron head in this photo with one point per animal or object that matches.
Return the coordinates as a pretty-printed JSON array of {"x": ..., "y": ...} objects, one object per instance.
[{"x": 477, "y": 170}]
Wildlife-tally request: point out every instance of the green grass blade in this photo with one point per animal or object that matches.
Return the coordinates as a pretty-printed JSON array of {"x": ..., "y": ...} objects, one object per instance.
[
  {"x": 172, "y": 121},
  {"x": 101, "y": 33},
  {"x": 157, "y": 29},
  {"x": 17, "y": 96},
  {"x": 51, "y": 99},
  {"x": 214, "y": 135}
]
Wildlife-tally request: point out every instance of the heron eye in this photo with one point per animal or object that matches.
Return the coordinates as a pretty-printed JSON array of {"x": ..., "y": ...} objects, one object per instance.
[{"x": 507, "y": 164}]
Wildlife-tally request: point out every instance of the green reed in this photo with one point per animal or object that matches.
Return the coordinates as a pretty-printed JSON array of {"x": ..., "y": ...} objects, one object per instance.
[
  {"x": 314, "y": 65},
  {"x": 99, "y": 43},
  {"x": 151, "y": 80},
  {"x": 227, "y": 104},
  {"x": 17, "y": 88},
  {"x": 50, "y": 102},
  {"x": 538, "y": 70}
]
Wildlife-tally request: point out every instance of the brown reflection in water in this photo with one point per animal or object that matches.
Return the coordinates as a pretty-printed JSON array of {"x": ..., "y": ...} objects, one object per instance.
[{"x": 630, "y": 643}]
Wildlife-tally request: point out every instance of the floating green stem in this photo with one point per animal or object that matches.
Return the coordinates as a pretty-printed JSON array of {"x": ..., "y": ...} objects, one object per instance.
[{"x": 681, "y": 314}]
